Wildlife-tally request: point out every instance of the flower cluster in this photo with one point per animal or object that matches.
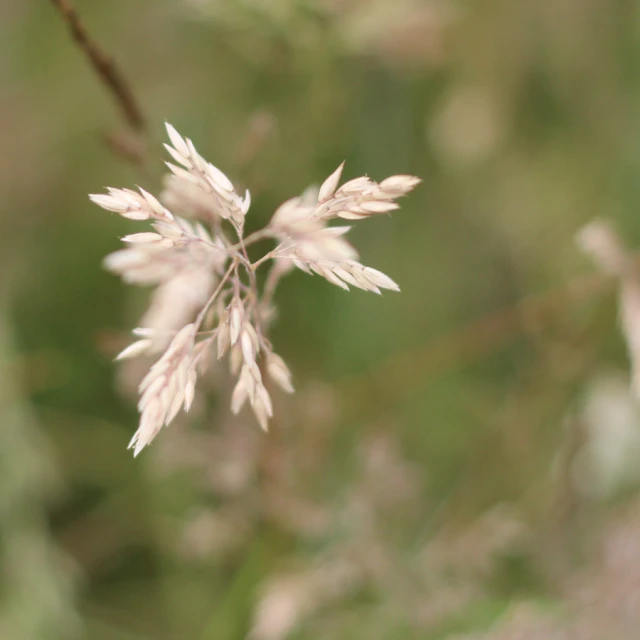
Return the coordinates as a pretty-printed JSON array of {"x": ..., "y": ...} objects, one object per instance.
[{"x": 206, "y": 304}]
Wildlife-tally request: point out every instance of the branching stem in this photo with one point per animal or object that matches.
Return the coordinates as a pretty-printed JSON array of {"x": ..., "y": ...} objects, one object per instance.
[
  {"x": 256, "y": 236},
  {"x": 214, "y": 295}
]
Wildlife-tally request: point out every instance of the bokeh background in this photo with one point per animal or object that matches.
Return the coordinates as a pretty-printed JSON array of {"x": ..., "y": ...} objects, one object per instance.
[{"x": 460, "y": 460}]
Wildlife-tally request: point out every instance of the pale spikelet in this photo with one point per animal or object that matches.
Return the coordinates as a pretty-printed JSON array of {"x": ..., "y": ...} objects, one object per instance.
[
  {"x": 157, "y": 257},
  {"x": 361, "y": 197},
  {"x": 315, "y": 248},
  {"x": 174, "y": 302},
  {"x": 286, "y": 600},
  {"x": 131, "y": 205},
  {"x": 248, "y": 343},
  {"x": 348, "y": 272},
  {"x": 330, "y": 185},
  {"x": 242, "y": 390},
  {"x": 279, "y": 372},
  {"x": 136, "y": 349},
  {"x": 250, "y": 387},
  {"x": 307, "y": 238},
  {"x": 189, "y": 198},
  {"x": 164, "y": 389},
  {"x": 599, "y": 240},
  {"x": 143, "y": 238},
  {"x": 248, "y": 348},
  {"x": 630, "y": 320},
  {"x": 223, "y": 336},
  {"x": 190, "y": 389},
  {"x": 144, "y": 332},
  {"x": 235, "y": 359},
  {"x": 222, "y": 199},
  {"x": 236, "y": 316},
  {"x": 181, "y": 148},
  {"x": 602, "y": 243}
]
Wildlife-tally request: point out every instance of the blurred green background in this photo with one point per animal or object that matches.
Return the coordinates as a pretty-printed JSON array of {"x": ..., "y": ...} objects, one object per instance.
[{"x": 455, "y": 460}]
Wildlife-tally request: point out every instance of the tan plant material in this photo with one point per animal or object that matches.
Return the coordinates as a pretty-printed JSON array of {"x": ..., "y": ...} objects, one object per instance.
[
  {"x": 206, "y": 304},
  {"x": 104, "y": 66},
  {"x": 601, "y": 242},
  {"x": 599, "y": 601}
]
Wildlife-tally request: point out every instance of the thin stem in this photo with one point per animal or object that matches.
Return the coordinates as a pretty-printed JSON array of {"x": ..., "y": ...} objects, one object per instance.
[
  {"x": 253, "y": 293},
  {"x": 273, "y": 278},
  {"x": 232, "y": 249},
  {"x": 103, "y": 65},
  {"x": 272, "y": 254},
  {"x": 210, "y": 301},
  {"x": 256, "y": 236},
  {"x": 207, "y": 243},
  {"x": 247, "y": 262},
  {"x": 218, "y": 231},
  {"x": 264, "y": 258}
]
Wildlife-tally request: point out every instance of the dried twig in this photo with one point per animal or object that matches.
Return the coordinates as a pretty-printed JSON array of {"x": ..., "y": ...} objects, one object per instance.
[{"x": 103, "y": 65}]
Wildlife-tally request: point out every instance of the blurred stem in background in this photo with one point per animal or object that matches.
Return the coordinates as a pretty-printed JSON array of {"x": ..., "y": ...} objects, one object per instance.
[
  {"x": 131, "y": 146},
  {"x": 104, "y": 66}
]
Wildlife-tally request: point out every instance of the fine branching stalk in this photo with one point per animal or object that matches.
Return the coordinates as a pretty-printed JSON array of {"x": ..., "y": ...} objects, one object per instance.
[
  {"x": 103, "y": 65},
  {"x": 207, "y": 304}
]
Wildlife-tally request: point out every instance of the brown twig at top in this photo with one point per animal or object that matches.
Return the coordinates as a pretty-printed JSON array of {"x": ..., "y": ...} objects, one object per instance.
[{"x": 103, "y": 65}]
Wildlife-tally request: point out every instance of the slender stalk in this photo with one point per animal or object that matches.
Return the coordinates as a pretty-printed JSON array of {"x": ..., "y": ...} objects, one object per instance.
[
  {"x": 253, "y": 294},
  {"x": 256, "y": 236},
  {"x": 247, "y": 264},
  {"x": 231, "y": 249},
  {"x": 214, "y": 295},
  {"x": 262, "y": 260},
  {"x": 103, "y": 65},
  {"x": 272, "y": 254},
  {"x": 273, "y": 278}
]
